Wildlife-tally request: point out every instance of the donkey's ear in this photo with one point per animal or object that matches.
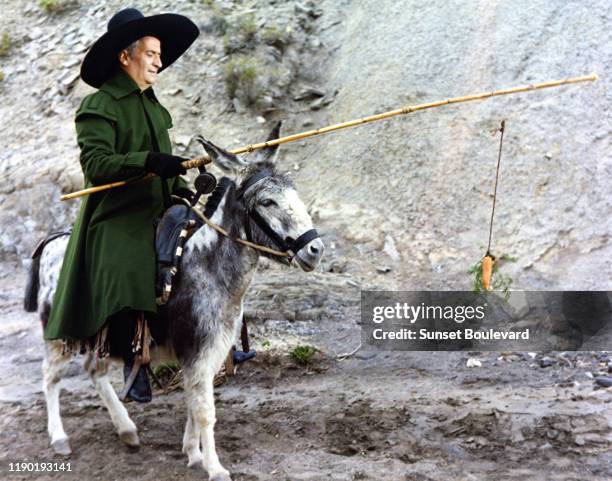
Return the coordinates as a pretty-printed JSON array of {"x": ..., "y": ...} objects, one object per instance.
[
  {"x": 269, "y": 153},
  {"x": 222, "y": 158}
]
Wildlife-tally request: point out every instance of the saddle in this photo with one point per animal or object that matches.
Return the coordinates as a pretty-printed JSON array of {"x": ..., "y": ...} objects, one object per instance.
[{"x": 173, "y": 229}]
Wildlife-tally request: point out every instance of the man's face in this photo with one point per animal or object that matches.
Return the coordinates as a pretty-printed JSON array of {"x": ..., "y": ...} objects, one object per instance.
[{"x": 143, "y": 63}]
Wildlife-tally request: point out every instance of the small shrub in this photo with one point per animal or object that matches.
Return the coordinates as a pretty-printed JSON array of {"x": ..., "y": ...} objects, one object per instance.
[
  {"x": 242, "y": 36},
  {"x": 247, "y": 29},
  {"x": 49, "y": 6},
  {"x": 273, "y": 36},
  {"x": 57, "y": 6},
  {"x": 1, "y": 76},
  {"x": 303, "y": 354},
  {"x": 167, "y": 370},
  {"x": 241, "y": 80},
  {"x": 218, "y": 22},
  {"x": 5, "y": 44}
]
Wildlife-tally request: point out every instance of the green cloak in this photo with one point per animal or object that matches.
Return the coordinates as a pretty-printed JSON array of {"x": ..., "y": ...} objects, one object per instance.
[{"x": 110, "y": 262}]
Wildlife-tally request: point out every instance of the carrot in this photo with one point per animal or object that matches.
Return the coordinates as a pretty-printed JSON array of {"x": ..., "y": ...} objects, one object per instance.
[{"x": 487, "y": 270}]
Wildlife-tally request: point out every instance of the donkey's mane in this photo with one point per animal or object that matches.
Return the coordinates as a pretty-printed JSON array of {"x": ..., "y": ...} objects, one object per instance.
[{"x": 215, "y": 198}]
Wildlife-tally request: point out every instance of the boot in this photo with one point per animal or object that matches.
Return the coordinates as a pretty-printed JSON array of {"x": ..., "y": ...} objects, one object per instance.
[
  {"x": 240, "y": 356},
  {"x": 141, "y": 387}
]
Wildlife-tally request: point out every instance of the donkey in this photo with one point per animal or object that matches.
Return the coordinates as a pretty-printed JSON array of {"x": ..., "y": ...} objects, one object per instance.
[{"x": 204, "y": 313}]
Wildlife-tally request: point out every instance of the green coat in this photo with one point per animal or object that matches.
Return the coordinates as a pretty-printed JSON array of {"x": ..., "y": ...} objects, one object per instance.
[{"x": 110, "y": 260}]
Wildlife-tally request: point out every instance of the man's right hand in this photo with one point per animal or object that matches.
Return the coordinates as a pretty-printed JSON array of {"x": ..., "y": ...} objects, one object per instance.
[{"x": 165, "y": 165}]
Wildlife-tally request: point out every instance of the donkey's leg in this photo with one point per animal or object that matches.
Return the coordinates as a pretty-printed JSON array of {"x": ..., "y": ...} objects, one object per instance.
[
  {"x": 52, "y": 366},
  {"x": 125, "y": 427},
  {"x": 191, "y": 438},
  {"x": 202, "y": 407}
]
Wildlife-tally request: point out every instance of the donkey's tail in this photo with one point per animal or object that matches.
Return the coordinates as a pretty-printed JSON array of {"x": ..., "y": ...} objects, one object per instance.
[{"x": 30, "y": 300}]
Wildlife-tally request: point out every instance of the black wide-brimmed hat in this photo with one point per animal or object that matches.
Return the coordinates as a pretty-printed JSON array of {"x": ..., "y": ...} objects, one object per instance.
[{"x": 175, "y": 33}]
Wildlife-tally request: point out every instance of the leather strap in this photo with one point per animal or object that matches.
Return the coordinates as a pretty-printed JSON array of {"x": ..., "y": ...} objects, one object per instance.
[{"x": 131, "y": 378}]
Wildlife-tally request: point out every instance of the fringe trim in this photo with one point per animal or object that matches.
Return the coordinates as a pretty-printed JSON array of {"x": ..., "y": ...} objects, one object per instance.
[
  {"x": 142, "y": 339},
  {"x": 99, "y": 343}
]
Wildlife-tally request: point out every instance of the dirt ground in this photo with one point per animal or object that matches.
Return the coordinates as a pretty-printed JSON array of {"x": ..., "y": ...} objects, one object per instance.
[{"x": 403, "y": 416}]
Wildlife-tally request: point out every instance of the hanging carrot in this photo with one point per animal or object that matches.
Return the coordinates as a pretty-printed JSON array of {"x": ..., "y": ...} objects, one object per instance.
[{"x": 487, "y": 270}]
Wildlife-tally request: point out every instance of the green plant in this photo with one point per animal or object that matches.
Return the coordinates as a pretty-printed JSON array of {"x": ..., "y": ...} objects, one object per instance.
[
  {"x": 218, "y": 21},
  {"x": 274, "y": 36},
  {"x": 242, "y": 36},
  {"x": 1, "y": 76},
  {"x": 5, "y": 44},
  {"x": 247, "y": 29},
  {"x": 241, "y": 79},
  {"x": 57, "y": 6},
  {"x": 265, "y": 344},
  {"x": 166, "y": 370},
  {"x": 303, "y": 354},
  {"x": 49, "y": 6},
  {"x": 499, "y": 281}
]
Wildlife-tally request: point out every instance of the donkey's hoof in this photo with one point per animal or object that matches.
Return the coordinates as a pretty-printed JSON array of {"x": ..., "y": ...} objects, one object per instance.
[
  {"x": 62, "y": 447},
  {"x": 130, "y": 438},
  {"x": 221, "y": 477},
  {"x": 196, "y": 464}
]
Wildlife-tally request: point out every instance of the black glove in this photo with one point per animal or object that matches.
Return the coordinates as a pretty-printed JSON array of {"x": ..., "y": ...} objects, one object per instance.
[
  {"x": 165, "y": 165},
  {"x": 184, "y": 193}
]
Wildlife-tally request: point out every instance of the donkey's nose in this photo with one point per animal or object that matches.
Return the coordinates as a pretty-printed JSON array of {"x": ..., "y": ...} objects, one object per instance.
[{"x": 314, "y": 250}]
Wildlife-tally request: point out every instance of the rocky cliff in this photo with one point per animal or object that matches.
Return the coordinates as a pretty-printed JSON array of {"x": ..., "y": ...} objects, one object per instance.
[{"x": 404, "y": 203}]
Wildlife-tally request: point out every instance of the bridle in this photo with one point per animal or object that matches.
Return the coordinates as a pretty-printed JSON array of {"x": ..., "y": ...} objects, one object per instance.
[{"x": 288, "y": 247}]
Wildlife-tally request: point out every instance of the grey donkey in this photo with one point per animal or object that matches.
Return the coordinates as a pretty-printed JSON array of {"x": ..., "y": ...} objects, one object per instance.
[{"x": 204, "y": 313}]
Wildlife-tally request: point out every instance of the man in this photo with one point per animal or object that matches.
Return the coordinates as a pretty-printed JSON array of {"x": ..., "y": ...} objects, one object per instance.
[{"x": 107, "y": 280}]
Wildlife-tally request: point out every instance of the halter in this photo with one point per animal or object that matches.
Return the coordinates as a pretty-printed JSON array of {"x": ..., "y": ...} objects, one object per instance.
[{"x": 288, "y": 246}]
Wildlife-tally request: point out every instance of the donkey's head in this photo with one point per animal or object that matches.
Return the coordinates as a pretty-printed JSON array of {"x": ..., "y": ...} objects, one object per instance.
[{"x": 275, "y": 215}]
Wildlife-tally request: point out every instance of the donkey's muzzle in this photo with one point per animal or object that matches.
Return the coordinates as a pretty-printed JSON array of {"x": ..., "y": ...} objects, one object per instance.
[{"x": 309, "y": 256}]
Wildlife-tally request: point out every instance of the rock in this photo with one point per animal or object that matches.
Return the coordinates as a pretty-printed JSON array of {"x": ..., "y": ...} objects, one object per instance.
[
  {"x": 323, "y": 101},
  {"x": 71, "y": 62},
  {"x": 260, "y": 119},
  {"x": 473, "y": 362},
  {"x": 182, "y": 140},
  {"x": 68, "y": 82},
  {"x": 35, "y": 33},
  {"x": 239, "y": 106},
  {"x": 309, "y": 93},
  {"x": 390, "y": 249},
  {"x": 337, "y": 266},
  {"x": 314, "y": 43},
  {"x": 365, "y": 355},
  {"x": 546, "y": 362},
  {"x": 383, "y": 269},
  {"x": 605, "y": 381},
  {"x": 309, "y": 9}
]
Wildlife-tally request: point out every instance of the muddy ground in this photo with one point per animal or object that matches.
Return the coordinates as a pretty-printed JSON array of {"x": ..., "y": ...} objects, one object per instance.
[{"x": 372, "y": 416}]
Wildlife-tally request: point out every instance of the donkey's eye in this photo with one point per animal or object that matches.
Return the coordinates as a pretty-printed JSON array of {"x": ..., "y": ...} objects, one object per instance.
[{"x": 267, "y": 203}]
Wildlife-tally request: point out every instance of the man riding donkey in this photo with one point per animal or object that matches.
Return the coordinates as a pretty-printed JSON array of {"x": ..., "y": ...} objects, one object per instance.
[{"x": 105, "y": 298}]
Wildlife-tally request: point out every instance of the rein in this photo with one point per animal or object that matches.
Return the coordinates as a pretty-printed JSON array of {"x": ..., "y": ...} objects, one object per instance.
[{"x": 247, "y": 243}]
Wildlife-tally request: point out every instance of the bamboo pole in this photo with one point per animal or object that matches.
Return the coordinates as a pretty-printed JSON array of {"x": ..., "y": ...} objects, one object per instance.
[{"x": 205, "y": 159}]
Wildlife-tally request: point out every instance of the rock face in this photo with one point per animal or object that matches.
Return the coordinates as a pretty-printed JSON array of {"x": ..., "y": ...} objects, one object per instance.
[{"x": 413, "y": 193}]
